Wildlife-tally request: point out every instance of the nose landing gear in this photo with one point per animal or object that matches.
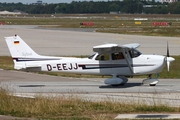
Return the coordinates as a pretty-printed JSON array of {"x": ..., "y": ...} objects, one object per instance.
[{"x": 151, "y": 81}]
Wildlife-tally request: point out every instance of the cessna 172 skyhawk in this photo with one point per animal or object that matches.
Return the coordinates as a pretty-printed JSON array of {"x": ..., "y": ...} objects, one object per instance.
[{"x": 119, "y": 61}]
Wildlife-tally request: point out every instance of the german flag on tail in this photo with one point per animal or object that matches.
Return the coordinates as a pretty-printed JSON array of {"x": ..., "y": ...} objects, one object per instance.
[{"x": 16, "y": 42}]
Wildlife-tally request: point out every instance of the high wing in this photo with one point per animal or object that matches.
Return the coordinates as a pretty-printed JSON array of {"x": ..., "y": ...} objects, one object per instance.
[
  {"x": 132, "y": 45},
  {"x": 114, "y": 47}
]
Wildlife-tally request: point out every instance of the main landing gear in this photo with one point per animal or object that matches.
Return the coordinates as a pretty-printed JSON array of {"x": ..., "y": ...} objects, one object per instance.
[{"x": 116, "y": 81}]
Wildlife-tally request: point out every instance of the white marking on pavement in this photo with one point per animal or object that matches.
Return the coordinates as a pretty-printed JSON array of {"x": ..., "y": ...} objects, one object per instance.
[{"x": 148, "y": 116}]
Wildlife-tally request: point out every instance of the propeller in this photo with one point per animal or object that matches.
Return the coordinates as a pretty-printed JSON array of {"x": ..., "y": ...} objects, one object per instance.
[{"x": 168, "y": 58}]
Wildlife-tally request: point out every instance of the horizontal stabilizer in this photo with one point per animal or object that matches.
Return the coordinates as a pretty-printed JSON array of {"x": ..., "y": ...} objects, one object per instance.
[{"x": 33, "y": 68}]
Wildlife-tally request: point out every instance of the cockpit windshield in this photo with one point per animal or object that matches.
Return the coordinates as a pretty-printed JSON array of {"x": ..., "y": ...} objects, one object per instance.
[
  {"x": 91, "y": 56},
  {"x": 134, "y": 53}
]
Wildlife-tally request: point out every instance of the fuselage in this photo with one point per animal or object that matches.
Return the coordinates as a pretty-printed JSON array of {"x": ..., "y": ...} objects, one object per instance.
[{"x": 143, "y": 64}]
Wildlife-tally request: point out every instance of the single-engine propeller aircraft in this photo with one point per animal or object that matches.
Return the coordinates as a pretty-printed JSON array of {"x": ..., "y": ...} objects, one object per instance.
[{"x": 118, "y": 61}]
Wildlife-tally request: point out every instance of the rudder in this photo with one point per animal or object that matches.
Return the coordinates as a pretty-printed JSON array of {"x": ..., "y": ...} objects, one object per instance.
[
  {"x": 20, "y": 51},
  {"x": 18, "y": 48}
]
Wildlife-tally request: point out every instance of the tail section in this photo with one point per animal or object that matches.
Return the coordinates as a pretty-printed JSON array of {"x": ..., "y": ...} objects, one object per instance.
[
  {"x": 20, "y": 52},
  {"x": 24, "y": 57},
  {"x": 18, "y": 48}
]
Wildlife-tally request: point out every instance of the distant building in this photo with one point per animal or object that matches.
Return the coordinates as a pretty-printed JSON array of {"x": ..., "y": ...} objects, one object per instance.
[
  {"x": 149, "y": 6},
  {"x": 16, "y": 12},
  {"x": 20, "y": 12},
  {"x": 115, "y": 12},
  {"x": 168, "y": 1},
  {"x": 39, "y": 2}
]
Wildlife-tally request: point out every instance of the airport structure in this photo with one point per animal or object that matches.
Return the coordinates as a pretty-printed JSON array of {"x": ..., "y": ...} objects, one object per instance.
[
  {"x": 169, "y": 1},
  {"x": 39, "y": 2}
]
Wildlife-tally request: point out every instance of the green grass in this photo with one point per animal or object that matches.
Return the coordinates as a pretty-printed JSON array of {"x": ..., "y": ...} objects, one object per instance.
[{"x": 6, "y": 63}]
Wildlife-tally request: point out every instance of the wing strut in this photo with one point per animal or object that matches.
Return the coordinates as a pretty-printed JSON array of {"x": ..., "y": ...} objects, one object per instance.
[{"x": 127, "y": 60}]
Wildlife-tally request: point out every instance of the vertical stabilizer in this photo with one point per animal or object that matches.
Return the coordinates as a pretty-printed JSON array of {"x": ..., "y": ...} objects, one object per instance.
[
  {"x": 18, "y": 48},
  {"x": 20, "y": 51}
]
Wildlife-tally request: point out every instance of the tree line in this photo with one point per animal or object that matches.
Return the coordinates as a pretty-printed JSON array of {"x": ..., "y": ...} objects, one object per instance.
[{"x": 125, "y": 6}]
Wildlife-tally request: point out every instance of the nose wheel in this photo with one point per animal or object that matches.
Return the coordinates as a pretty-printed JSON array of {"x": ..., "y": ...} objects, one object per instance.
[{"x": 150, "y": 81}]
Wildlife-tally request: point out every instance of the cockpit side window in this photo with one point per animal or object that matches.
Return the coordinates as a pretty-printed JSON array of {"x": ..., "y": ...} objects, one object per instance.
[
  {"x": 117, "y": 56},
  {"x": 102, "y": 57}
]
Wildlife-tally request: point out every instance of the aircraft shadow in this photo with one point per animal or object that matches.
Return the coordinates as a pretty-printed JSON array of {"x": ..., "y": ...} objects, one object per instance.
[
  {"x": 31, "y": 85},
  {"x": 127, "y": 85}
]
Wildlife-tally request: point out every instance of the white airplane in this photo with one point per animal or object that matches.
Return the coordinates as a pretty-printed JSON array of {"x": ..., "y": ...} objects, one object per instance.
[{"x": 118, "y": 61}]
